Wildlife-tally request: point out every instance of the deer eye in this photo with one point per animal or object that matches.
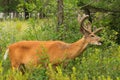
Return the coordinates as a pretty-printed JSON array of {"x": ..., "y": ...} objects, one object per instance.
[{"x": 92, "y": 35}]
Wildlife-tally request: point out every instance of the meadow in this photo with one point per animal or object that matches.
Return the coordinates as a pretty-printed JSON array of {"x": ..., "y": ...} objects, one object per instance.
[{"x": 96, "y": 62}]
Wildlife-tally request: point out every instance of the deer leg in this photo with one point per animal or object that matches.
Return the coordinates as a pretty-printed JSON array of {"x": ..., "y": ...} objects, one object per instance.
[
  {"x": 22, "y": 68},
  {"x": 15, "y": 65},
  {"x": 18, "y": 66}
]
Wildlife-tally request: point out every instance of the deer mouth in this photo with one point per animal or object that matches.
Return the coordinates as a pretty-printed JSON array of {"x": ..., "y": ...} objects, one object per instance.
[{"x": 99, "y": 43}]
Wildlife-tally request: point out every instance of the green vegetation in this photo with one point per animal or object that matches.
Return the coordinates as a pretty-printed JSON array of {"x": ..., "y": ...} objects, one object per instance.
[{"x": 96, "y": 62}]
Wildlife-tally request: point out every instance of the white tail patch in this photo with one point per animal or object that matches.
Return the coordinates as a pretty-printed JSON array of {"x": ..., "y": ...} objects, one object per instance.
[{"x": 6, "y": 54}]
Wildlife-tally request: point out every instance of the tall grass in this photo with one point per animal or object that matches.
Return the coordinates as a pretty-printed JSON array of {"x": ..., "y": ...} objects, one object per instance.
[{"x": 96, "y": 63}]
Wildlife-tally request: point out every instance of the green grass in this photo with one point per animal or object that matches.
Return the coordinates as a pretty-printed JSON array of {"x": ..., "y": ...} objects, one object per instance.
[{"x": 96, "y": 63}]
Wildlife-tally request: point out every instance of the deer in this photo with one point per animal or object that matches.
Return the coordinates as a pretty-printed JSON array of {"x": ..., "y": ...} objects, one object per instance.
[{"x": 25, "y": 52}]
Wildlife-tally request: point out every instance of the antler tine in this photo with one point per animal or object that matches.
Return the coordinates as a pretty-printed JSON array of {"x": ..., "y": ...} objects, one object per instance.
[
  {"x": 98, "y": 30},
  {"x": 89, "y": 26},
  {"x": 81, "y": 22}
]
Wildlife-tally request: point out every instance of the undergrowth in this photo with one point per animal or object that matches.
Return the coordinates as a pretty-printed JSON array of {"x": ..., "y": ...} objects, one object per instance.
[{"x": 96, "y": 63}]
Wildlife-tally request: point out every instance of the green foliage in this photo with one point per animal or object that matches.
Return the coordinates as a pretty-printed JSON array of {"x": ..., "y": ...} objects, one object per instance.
[
  {"x": 111, "y": 4},
  {"x": 9, "y": 32},
  {"x": 47, "y": 7},
  {"x": 97, "y": 62},
  {"x": 56, "y": 75},
  {"x": 8, "y": 6},
  {"x": 36, "y": 73},
  {"x": 110, "y": 14},
  {"x": 15, "y": 75},
  {"x": 109, "y": 36},
  {"x": 40, "y": 30}
]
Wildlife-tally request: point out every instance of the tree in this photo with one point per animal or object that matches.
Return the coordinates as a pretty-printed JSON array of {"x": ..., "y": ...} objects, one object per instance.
[
  {"x": 8, "y": 5},
  {"x": 60, "y": 13},
  {"x": 26, "y": 9},
  {"x": 110, "y": 7}
]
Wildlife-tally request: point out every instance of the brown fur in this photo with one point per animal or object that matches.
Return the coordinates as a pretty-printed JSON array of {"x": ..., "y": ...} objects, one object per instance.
[{"x": 25, "y": 52}]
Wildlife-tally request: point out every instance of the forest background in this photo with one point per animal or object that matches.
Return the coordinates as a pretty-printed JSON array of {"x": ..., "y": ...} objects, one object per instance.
[{"x": 57, "y": 20}]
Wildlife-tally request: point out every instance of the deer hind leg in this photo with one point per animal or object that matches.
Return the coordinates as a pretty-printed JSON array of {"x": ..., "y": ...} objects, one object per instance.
[
  {"x": 18, "y": 66},
  {"x": 15, "y": 65},
  {"x": 22, "y": 68}
]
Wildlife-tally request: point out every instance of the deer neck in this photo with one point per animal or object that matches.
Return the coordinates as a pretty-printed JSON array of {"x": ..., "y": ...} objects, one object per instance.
[{"x": 76, "y": 48}]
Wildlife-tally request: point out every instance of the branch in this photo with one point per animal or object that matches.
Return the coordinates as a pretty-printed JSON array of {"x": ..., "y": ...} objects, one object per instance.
[{"x": 88, "y": 6}]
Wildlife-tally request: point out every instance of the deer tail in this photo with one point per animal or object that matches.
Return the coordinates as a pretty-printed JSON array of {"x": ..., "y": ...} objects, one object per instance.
[{"x": 6, "y": 54}]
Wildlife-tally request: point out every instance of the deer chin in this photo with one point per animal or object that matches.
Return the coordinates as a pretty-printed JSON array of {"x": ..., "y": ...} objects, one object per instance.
[{"x": 97, "y": 43}]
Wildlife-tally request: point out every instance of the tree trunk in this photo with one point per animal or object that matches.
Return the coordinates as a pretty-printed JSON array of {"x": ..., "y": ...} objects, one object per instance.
[
  {"x": 87, "y": 12},
  {"x": 26, "y": 10},
  {"x": 60, "y": 14},
  {"x": 41, "y": 14},
  {"x": 26, "y": 14}
]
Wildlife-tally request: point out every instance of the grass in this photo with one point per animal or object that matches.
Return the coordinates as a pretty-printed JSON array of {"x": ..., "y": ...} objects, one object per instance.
[{"x": 96, "y": 63}]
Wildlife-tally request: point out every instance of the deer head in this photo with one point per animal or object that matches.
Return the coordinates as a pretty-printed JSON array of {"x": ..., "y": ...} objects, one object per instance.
[{"x": 88, "y": 32}]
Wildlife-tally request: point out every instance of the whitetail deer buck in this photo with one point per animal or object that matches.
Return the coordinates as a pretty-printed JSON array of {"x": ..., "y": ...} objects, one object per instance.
[{"x": 26, "y": 52}]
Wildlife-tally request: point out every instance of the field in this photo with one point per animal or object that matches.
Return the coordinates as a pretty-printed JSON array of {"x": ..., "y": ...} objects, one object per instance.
[{"x": 96, "y": 62}]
